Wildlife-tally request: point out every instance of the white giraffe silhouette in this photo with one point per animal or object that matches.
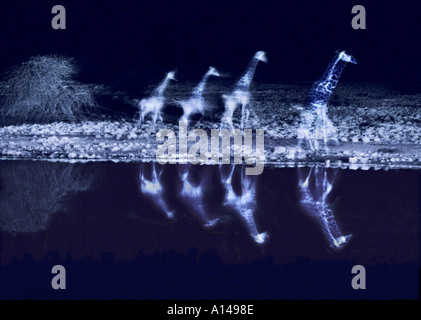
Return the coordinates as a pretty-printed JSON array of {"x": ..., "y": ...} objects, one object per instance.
[
  {"x": 196, "y": 103},
  {"x": 241, "y": 93},
  {"x": 193, "y": 195},
  {"x": 315, "y": 188},
  {"x": 153, "y": 189},
  {"x": 243, "y": 204},
  {"x": 316, "y": 124},
  {"x": 154, "y": 103}
]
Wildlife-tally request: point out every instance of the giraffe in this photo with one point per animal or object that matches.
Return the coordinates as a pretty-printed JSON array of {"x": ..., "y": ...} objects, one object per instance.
[
  {"x": 193, "y": 194},
  {"x": 323, "y": 88},
  {"x": 154, "y": 103},
  {"x": 316, "y": 124},
  {"x": 153, "y": 189},
  {"x": 315, "y": 188},
  {"x": 241, "y": 93},
  {"x": 245, "y": 203},
  {"x": 196, "y": 102}
]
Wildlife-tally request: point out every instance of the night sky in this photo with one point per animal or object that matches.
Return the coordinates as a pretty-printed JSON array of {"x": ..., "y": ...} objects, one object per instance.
[{"x": 128, "y": 44}]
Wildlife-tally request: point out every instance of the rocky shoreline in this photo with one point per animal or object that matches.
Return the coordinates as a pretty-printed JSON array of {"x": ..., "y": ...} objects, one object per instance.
[{"x": 376, "y": 128}]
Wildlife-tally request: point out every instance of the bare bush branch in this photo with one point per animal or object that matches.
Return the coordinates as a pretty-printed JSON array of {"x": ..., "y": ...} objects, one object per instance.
[{"x": 42, "y": 90}]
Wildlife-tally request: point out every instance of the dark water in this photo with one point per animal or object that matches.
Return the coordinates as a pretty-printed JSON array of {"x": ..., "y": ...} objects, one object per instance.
[{"x": 139, "y": 230}]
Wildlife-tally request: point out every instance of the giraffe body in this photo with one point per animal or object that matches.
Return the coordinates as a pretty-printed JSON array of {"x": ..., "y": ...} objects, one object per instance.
[
  {"x": 317, "y": 130},
  {"x": 196, "y": 103},
  {"x": 240, "y": 96},
  {"x": 322, "y": 89},
  {"x": 154, "y": 104}
]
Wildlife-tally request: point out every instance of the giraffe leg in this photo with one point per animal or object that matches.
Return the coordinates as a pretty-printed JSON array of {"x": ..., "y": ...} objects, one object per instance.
[
  {"x": 140, "y": 120},
  {"x": 221, "y": 124},
  {"x": 247, "y": 114},
  {"x": 142, "y": 116},
  {"x": 224, "y": 119},
  {"x": 229, "y": 120},
  {"x": 242, "y": 116},
  {"x": 155, "y": 115},
  {"x": 141, "y": 108}
]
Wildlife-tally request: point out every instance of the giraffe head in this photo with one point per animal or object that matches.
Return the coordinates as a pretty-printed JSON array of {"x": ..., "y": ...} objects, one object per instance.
[
  {"x": 171, "y": 75},
  {"x": 261, "y": 56},
  {"x": 213, "y": 72},
  {"x": 347, "y": 58}
]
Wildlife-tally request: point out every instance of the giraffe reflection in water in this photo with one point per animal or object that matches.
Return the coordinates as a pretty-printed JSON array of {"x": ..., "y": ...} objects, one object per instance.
[
  {"x": 242, "y": 200},
  {"x": 315, "y": 185},
  {"x": 150, "y": 185},
  {"x": 195, "y": 194},
  {"x": 194, "y": 190},
  {"x": 200, "y": 185}
]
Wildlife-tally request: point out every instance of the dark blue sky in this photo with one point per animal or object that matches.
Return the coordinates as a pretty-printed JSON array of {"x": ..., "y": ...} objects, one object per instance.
[{"x": 130, "y": 43}]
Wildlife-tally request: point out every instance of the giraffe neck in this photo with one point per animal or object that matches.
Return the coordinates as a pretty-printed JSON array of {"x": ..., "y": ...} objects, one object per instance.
[
  {"x": 323, "y": 88},
  {"x": 159, "y": 91},
  {"x": 245, "y": 81},
  {"x": 198, "y": 90}
]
